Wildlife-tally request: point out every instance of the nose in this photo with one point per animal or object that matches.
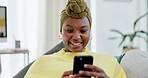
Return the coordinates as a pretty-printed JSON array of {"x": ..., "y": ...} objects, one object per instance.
[{"x": 76, "y": 35}]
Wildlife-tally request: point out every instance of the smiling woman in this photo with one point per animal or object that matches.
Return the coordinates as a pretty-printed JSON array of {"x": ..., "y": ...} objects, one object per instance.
[{"x": 3, "y": 24}]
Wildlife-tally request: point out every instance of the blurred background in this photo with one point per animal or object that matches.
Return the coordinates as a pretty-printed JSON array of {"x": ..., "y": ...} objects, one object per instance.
[{"x": 35, "y": 23}]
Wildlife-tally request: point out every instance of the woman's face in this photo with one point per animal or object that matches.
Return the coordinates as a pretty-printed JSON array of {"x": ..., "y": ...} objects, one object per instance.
[{"x": 76, "y": 34}]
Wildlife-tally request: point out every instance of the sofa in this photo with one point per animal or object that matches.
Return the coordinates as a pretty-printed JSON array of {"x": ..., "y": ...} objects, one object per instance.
[
  {"x": 135, "y": 64},
  {"x": 130, "y": 61}
]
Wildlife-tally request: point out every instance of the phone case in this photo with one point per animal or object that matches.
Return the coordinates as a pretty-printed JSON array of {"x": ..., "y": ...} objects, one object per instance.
[{"x": 79, "y": 62}]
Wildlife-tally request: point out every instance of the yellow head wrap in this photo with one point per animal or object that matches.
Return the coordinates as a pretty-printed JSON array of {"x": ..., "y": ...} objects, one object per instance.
[{"x": 75, "y": 9}]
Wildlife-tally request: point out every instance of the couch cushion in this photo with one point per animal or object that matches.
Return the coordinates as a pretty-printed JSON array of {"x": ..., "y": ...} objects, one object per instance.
[{"x": 135, "y": 64}]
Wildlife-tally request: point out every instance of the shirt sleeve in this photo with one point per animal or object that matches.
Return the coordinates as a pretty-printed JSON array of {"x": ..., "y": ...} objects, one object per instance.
[{"x": 119, "y": 72}]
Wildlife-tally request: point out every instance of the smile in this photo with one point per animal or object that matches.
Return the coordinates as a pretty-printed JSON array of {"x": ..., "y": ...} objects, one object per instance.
[{"x": 76, "y": 43}]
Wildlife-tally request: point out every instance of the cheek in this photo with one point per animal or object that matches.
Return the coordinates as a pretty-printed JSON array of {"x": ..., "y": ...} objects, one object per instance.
[
  {"x": 87, "y": 35},
  {"x": 65, "y": 36},
  {"x": 86, "y": 38}
]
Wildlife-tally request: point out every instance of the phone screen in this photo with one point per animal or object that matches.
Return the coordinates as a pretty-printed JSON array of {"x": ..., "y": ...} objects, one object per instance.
[{"x": 79, "y": 62}]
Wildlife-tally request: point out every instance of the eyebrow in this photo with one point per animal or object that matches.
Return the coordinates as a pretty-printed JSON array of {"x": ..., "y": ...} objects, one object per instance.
[
  {"x": 84, "y": 26},
  {"x": 80, "y": 27},
  {"x": 68, "y": 25}
]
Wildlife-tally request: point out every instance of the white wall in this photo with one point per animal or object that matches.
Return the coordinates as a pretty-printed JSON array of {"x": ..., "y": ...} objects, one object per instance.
[
  {"x": 36, "y": 24},
  {"x": 12, "y": 28},
  {"x": 115, "y": 15},
  {"x": 22, "y": 24}
]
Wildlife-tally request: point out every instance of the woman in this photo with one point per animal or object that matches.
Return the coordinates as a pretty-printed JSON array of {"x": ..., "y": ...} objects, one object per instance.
[{"x": 75, "y": 29}]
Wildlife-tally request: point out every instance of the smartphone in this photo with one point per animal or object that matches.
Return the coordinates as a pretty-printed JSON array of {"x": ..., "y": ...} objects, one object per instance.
[{"x": 79, "y": 62}]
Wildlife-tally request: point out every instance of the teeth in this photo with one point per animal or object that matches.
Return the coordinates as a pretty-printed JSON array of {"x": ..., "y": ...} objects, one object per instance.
[{"x": 75, "y": 43}]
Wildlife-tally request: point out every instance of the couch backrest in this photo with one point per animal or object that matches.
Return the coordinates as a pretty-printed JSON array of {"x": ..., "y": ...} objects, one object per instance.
[{"x": 135, "y": 64}]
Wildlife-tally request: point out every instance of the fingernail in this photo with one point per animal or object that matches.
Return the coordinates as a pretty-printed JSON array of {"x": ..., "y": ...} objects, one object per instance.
[
  {"x": 80, "y": 72},
  {"x": 85, "y": 65}
]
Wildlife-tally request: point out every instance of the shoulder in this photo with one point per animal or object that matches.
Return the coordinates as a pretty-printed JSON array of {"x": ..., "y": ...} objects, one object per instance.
[
  {"x": 109, "y": 64},
  {"x": 100, "y": 55},
  {"x": 103, "y": 55},
  {"x": 44, "y": 58}
]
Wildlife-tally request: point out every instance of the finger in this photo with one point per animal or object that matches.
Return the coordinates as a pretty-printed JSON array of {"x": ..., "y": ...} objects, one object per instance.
[
  {"x": 67, "y": 73},
  {"x": 94, "y": 68},
  {"x": 97, "y": 72},
  {"x": 75, "y": 76},
  {"x": 93, "y": 74}
]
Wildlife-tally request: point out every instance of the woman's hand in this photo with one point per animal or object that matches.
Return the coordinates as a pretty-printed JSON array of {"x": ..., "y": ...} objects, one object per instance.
[
  {"x": 96, "y": 73},
  {"x": 68, "y": 74}
]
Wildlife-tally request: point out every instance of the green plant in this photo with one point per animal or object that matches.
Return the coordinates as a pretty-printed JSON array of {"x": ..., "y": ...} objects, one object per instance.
[{"x": 131, "y": 36}]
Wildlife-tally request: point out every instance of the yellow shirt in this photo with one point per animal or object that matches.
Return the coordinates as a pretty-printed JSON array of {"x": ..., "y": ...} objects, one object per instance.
[{"x": 53, "y": 66}]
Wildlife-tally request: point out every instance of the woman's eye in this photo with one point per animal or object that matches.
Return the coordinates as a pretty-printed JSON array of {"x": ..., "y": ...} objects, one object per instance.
[
  {"x": 83, "y": 31},
  {"x": 69, "y": 31}
]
